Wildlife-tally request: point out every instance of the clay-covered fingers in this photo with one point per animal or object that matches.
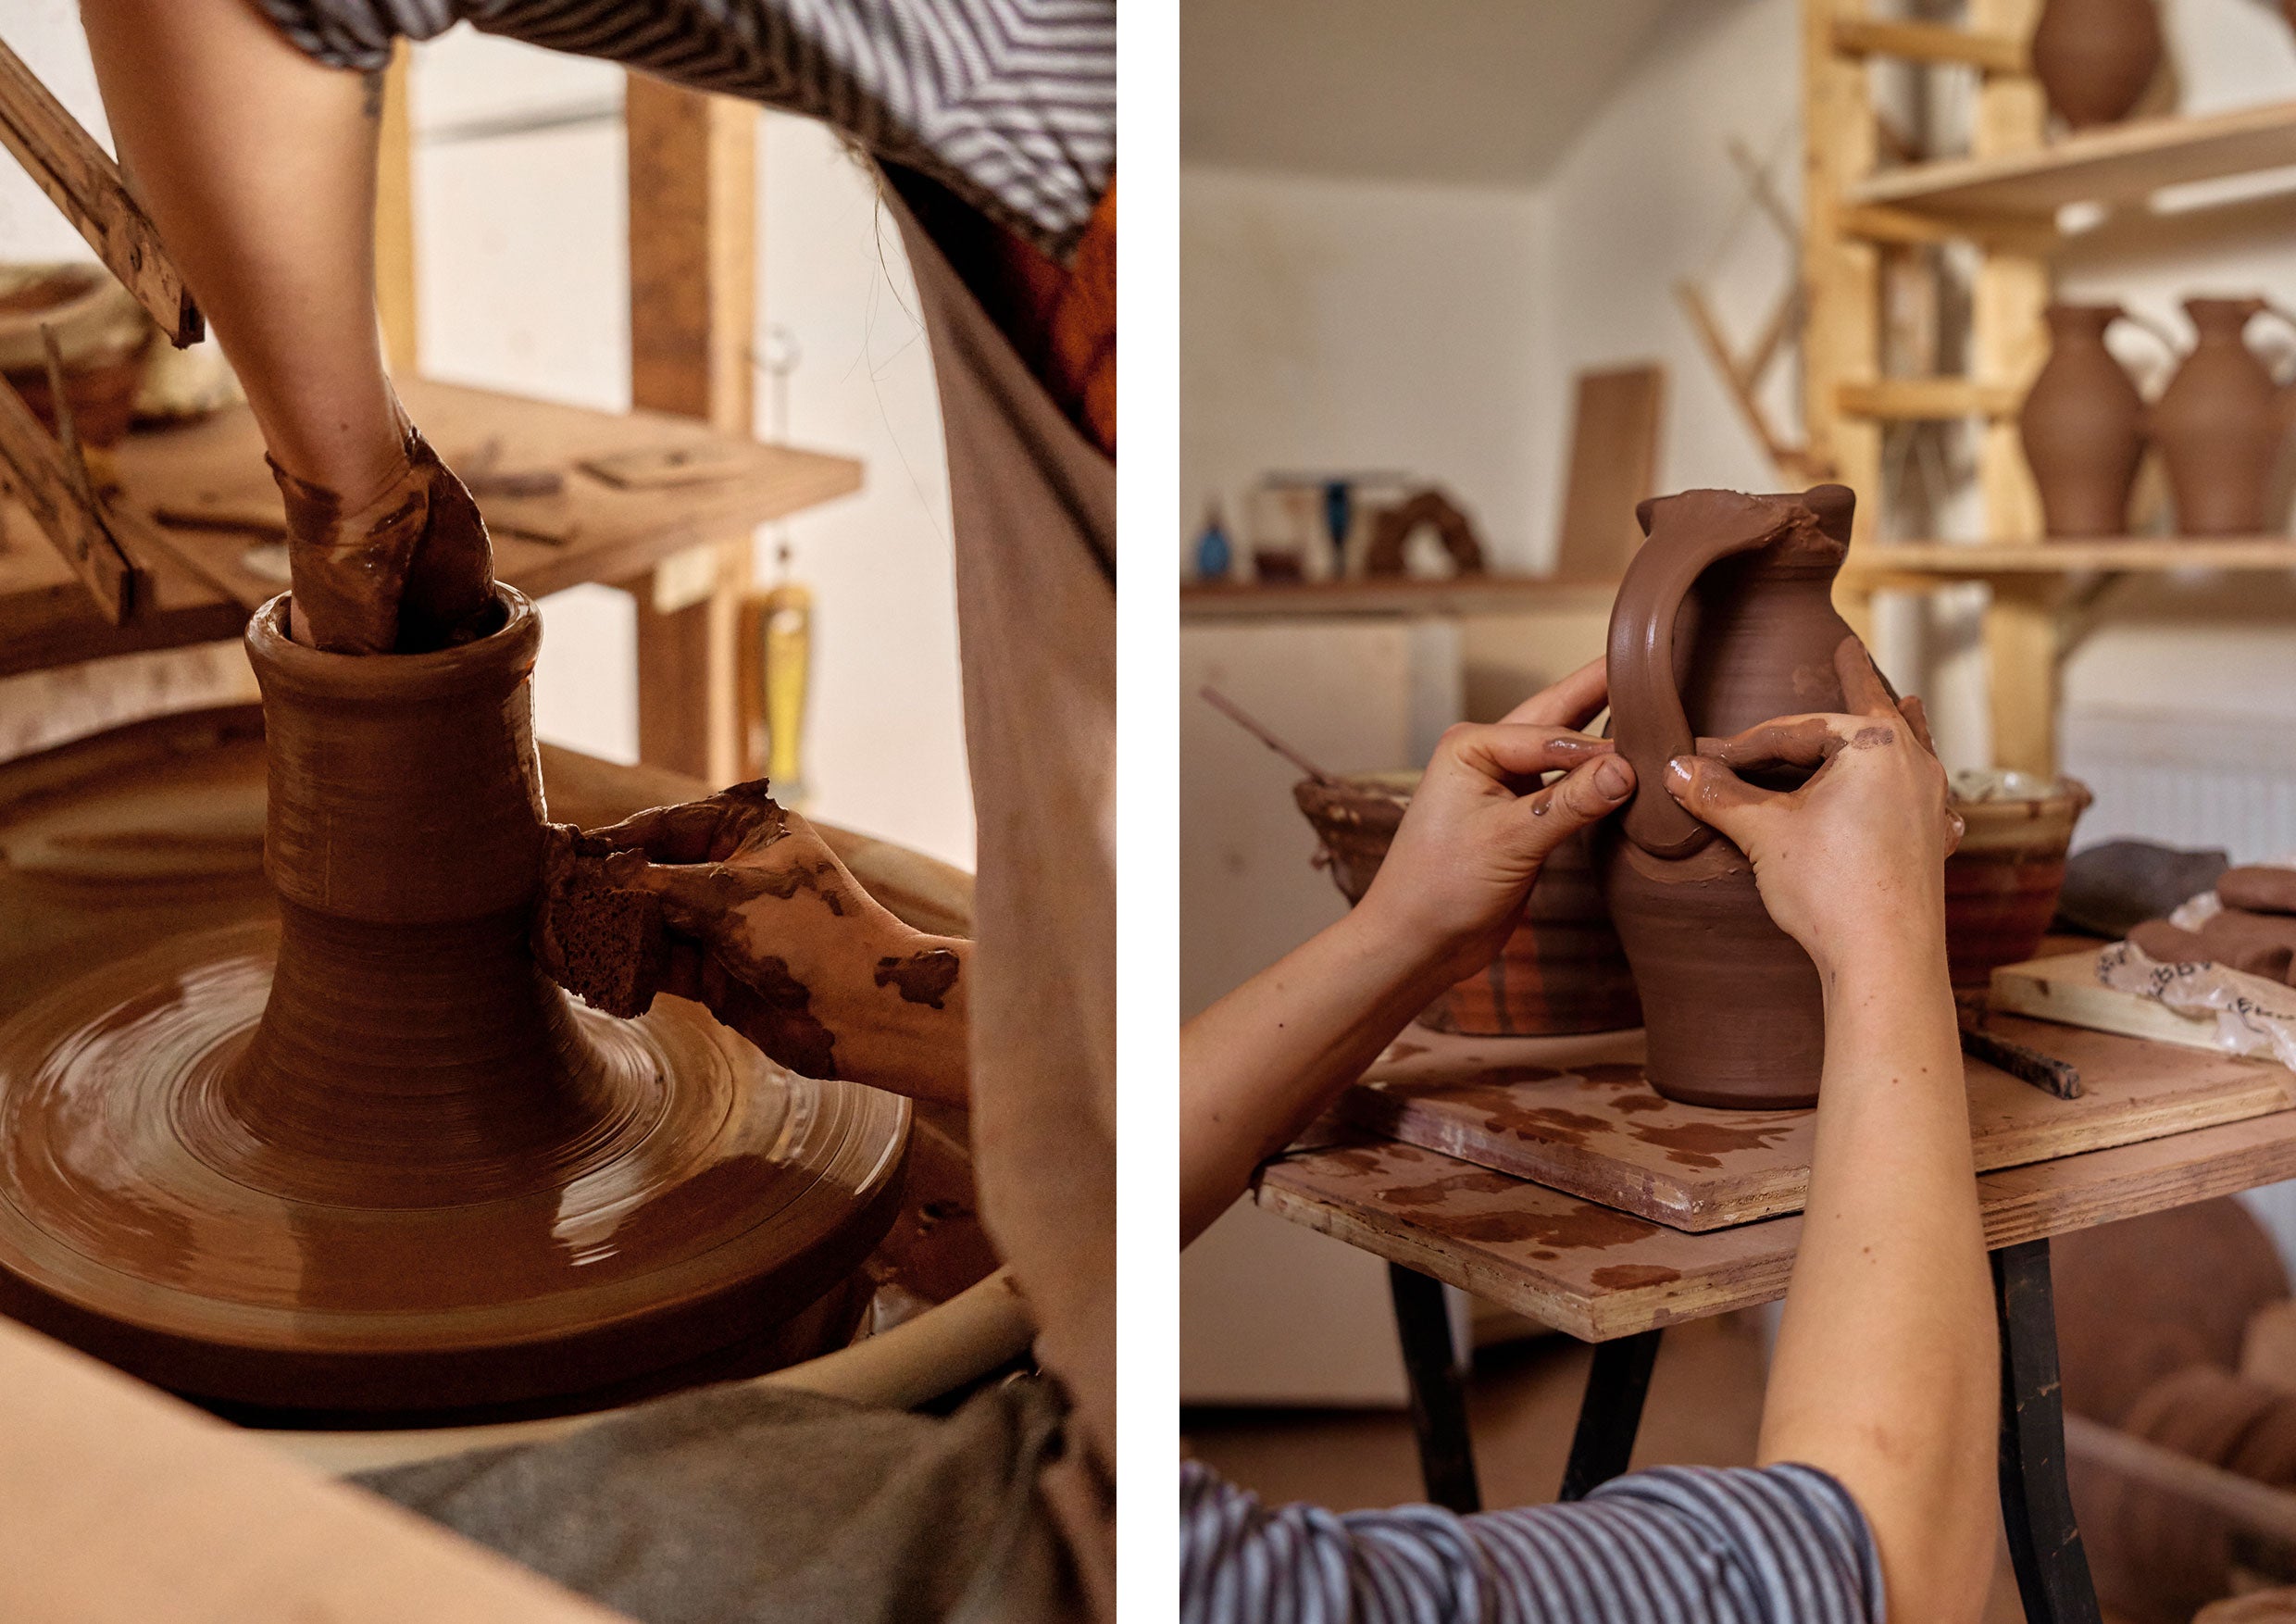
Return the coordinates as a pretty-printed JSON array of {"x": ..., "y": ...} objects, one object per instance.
[
  {"x": 1917, "y": 716},
  {"x": 1583, "y": 795},
  {"x": 1571, "y": 702},
  {"x": 1786, "y": 741},
  {"x": 1864, "y": 691},
  {"x": 698, "y": 899},
  {"x": 1516, "y": 753},
  {"x": 709, "y": 831},
  {"x": 1712, "y": 793}
]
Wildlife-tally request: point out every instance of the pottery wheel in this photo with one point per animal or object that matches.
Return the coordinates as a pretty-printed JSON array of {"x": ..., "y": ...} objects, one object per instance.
[{"x": 715, "y": 1194}]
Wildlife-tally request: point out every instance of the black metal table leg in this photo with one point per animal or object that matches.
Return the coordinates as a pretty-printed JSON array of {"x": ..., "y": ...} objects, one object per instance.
[
  {"x": 1437, "y": 1391},
  {"x": 2036, "y": 1502},
  {"x": 1610, "y": 1414}
]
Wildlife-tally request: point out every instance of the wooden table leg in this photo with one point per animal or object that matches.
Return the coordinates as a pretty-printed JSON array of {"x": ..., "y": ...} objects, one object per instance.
[
  {"x": 1437, "y": 1391},
  {"x": 1610, "y": 1414},
  {"x": 2036, "y": 1502}
]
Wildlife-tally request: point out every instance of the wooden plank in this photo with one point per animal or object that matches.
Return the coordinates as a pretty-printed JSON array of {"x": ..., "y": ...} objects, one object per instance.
[
  {"x": 54, "y": 494},
  {"x": 1842, "y": 332},
  {"x": 2063, "y": 988},
  {"x": 394, "y": 220},
  {"x": 2022, "y": 655},
  {"x": 1882, "y": 223},
  {"x": 1614, "y": 465},
  {"x": 1923, "y": 41},
  {"x": 2008, "y": 337},
  {"x": 1576, "y": 1114},
  {"x": 1927, "y": 399},
  {"x": 2122, "y": 163},
  {"x": 1598, "y": 1274},
  {"x": 692, "y": 320},
  {"x": 1962, "y": 560},
  {"x": 82, "y": 179},
  {"x": 1469, "y": 595}
]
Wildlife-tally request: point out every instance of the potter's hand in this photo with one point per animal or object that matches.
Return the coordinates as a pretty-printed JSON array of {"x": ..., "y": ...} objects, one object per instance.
[
  {"x": 1479, "y": 825},
  {"x": 1856, "y": 855},
  {"x": 782, "y": 944}
]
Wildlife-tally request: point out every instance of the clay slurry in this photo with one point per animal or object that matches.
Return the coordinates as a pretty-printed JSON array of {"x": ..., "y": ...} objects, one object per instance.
[{"x": 922, "y": 978}]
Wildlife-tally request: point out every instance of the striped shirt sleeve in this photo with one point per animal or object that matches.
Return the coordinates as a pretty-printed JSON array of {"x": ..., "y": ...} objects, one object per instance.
[{"x": 1675, "y": 1545}]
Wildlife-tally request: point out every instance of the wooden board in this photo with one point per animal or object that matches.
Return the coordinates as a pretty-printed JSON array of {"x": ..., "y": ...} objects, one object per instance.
[
  {"x": 1597, "y": 1274},
  {"x": 216, "y": 467},
  {"x": 1614, "y": 465},
  {"x": 2064, "y": 989},
  {"x": 1467, "y": 594},
  {"x": 1575, "y": 1114}
]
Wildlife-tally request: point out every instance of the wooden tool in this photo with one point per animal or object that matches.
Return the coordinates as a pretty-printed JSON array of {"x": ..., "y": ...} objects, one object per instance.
[
  {"x": 2045, "y": 1073},
  {"x": 81, "y": 178},
  {"x": 2064, "y": 989},
  {"x": 1242, "y": 718}
]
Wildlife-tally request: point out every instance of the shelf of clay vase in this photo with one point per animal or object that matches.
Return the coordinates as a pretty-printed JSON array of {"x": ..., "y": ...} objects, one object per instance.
[
  {"x": 2115, "y": 164},
  {"x": 1472, "y": 594},
  {"x": 1971, "y": 561},
  {"x": 679, "y": 483}
]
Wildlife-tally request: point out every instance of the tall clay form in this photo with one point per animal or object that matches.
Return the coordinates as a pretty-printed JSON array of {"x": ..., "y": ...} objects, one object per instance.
[
  {"x": 2095, "y": 57},
  {"x": 2219, "y": 424},
  {"x": 1725, "y": 619},
  {"x": 2083, "y": 426},
  {"x": 371, "y": 1160}
]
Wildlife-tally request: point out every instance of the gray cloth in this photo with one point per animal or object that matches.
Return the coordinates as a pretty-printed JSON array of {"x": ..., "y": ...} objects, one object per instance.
[
  {"x": 742, "y": 1502},
  {"x": 1011, "y": 104},
  {"x": 2113, "y": 887}
]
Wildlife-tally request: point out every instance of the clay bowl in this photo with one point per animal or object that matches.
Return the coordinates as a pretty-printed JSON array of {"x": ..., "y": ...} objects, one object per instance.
[
  {"x": 1560, "y": 971},
  {"x": 102, "y": 337},
  {"x": 2001, "y": 884}
]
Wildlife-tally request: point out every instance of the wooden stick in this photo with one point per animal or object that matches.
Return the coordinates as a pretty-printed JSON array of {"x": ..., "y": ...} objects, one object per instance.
[
  {"x": 81, "y": 178},
  {"x": 1235, "y": 713},
  {"x": 2045, "y": 1073},
  {"x": 44, "y": 480}
]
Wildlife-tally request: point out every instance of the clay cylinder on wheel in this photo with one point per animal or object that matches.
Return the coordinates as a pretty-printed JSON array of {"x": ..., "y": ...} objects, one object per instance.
[
  {"x": 2082, "y": 426},
  {"x": 1725, "y": 619}
]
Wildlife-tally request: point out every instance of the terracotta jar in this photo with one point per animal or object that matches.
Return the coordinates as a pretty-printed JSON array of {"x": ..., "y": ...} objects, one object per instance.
[
  {"x": 2082, "y": 426},
  {"x": 1725, "y": 619},
  {"x": 2095, "y": 57},
  {"x": 1562, "y": 971},
  {"x": 2221, "y": 421}
]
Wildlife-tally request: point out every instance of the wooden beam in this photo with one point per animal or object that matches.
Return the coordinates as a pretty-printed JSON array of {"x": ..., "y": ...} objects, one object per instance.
[
  {"x": 1880, "y": 223},
  {"x": 692, "y": 314},
  {"x": 1842, "y": 332},
  {"x": 81, "y": 178},
  {"x": 394, "y": 220},
  {"x": 1922, "y": 41},
  {"x": 43, "y": 477},
  {"x": 1927, "y": 399},
  {"x": 2022, "y": 654},
  {"x": 2008, "y": 335}
]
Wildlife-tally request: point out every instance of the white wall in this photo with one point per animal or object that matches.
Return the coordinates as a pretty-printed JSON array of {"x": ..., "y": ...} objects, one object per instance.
[{"x": 1358, "y": 325}]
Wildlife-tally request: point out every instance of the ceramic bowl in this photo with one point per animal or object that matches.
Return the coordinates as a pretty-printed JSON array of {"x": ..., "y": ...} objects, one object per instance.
[{"x": 2001, "y": 884}]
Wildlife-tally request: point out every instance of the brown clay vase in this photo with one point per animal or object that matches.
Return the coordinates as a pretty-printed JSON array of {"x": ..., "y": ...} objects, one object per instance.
[
  {"x": 369, "y": 1159},
  {"x": 2220, "y": 423},
  {"x": 2095, "y": 57},
  {"x": 1562, "y": 970},
  {"x": 1725, "y": 619},
  {"x": 2082, "y": 426}
]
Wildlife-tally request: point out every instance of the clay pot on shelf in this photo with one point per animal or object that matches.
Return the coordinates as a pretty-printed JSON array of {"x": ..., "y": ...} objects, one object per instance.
[
  {"x": 1725, "y": 619},
  {"x": 2002, "y": 883},
  {"x": 2082, "y": 426},
  {"x": 2221, "y": 421},
  {"x": 2095, "y": 57},
  {"x": 1560, "y": 971}
]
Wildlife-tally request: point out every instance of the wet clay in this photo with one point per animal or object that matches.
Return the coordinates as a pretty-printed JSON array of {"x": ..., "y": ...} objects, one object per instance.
[
  {"x": 2253, "y": 943},
  {"x": 1725, "y": 621},
  {"x": 2220, "y": 424},
  {"x": 2082, "y": 426},
  {"x": 370, "y": 1158},
  {"x": 2258, "y": 888},
  {"x": 2095, "y": 57},
  {"x": 921, "y": 978}
]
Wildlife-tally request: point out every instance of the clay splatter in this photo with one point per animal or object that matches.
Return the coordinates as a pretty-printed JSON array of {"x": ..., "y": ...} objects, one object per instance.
[
  {"x": 1625, "y": 1277},
  {"x": 923, "y": 978},
  {"x": 1585, "y": 1226},
  {"x": 1476, "y": 1182},
  {"x": 1704, "y": 1144},
  {"x": 1868, "y": 738}
]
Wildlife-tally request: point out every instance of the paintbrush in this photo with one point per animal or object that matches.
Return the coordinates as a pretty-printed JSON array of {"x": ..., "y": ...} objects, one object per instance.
[{"x": 1242, "y": 718}]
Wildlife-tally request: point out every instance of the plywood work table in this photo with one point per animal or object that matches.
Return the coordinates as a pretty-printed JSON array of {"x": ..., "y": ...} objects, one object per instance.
[
  {"x": 1617, "y": 1280},
  {"x": 212, "y": 473}
]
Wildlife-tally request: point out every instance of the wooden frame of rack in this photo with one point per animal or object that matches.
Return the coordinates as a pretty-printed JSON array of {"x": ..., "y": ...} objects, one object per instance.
[{"x": 2003, "y": 198}]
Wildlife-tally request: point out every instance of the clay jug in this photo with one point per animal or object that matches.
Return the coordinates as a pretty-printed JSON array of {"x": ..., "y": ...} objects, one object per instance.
[
  {"x": 2095, "y": 57},
  {"x": 2082, "y": 426},
  {"x": 2220, "y": 423},
  {"x": 1725, "y": 618}
]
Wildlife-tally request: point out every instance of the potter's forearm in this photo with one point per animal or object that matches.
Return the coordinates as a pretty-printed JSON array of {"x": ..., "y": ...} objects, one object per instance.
[
  {"x": 1265, "y": 1061},
  {"x": 1886, "y": 1371},
  {"x": 258, "y": 164},
  {"x": 910, "y": 1033}
]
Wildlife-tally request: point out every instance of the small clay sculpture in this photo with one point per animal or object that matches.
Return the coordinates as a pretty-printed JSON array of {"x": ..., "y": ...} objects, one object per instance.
[
  {"x": 2256, "y": 945},
  {"x": 2259, "y": 888},
  {"x": 2095, "y": 57}
]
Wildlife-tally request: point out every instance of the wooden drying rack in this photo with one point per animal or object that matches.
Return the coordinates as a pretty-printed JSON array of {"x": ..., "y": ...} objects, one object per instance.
[{"x": 115, "y": 580}]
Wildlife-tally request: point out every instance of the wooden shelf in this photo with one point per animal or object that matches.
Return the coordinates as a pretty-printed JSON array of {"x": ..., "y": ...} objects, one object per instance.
[
  {"x": 597, "y": 530},
  {"x": 1927, "y": 41},
  {"x": 2118, "y": 163},
  {"x": 1927, "y": 399},
  {"x": 1971, "y": 561},
  {"x": 1474, "y": 595}
]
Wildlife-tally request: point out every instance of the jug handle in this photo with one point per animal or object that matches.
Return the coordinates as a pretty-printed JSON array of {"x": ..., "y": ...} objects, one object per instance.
[{"x": 1648, "y": 721}]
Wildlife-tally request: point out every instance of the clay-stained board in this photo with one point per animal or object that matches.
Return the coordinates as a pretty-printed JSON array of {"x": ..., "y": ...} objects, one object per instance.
[
  {"x": 1597, "y": 1274},
  {"x": 1576, "y": 1114}
]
